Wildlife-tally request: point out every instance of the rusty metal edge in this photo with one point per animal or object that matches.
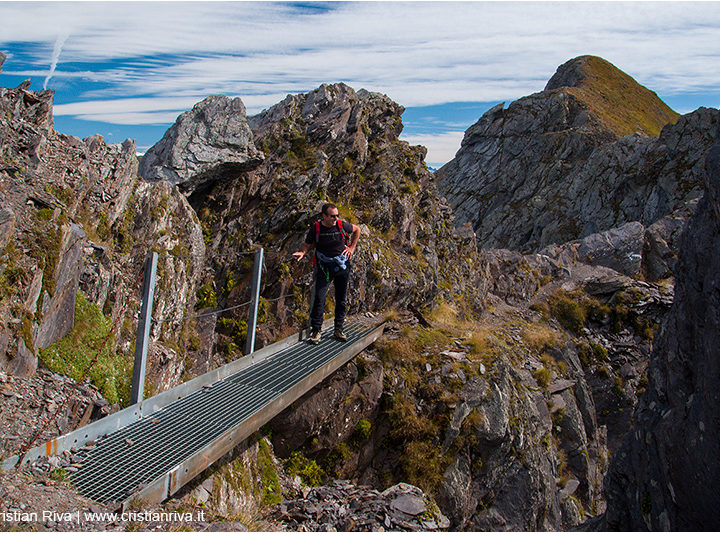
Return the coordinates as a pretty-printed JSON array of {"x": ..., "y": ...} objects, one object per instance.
[
  {"x": 168, "y": 484},
  {"x": 133, "y": 413}
]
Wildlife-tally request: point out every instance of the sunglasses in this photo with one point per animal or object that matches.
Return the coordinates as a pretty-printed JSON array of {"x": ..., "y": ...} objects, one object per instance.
[{"x": 333, "y": 216}]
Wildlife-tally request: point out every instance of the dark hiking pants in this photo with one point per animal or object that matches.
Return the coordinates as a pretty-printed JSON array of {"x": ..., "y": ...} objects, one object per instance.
[{"x": 324, "y": 275}]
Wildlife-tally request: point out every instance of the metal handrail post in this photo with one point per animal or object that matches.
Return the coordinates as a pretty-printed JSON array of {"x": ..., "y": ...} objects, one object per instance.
[
  {"x": 143, "y": 331},
  {"x": 254, "y": 301}
]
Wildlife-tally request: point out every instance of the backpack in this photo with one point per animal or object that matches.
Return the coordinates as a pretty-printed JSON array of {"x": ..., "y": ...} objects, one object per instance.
[{"x": 343, "y": 233}]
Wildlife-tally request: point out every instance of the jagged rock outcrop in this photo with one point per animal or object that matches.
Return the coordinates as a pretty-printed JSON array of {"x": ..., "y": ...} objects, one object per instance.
[
  {"x": 332, "y": 144},
  {"x": 75, "y": 220},
  {"x": 509, "y": 423},
  {"x": 667, "y": 472},
  {"x": 578, "y": 158},
  {"x": 210, "y": 142}
]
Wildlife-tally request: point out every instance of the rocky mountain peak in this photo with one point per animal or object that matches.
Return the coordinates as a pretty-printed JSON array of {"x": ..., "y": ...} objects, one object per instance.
[
  {"x": 330, "y": 144},
  {"x": 621, "y": 103},
  {"x": 578, "y": 158},
  {"x": 571, "y": 73}
]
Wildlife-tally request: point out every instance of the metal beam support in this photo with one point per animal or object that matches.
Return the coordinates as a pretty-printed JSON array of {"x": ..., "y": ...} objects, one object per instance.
[
  {"x": 254, "y": 301},
  {"x": 143, "y": 331}
]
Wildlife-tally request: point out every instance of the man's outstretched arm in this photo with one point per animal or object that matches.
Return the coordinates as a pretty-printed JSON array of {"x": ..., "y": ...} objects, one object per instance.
[{"x": 302, "y": 251}]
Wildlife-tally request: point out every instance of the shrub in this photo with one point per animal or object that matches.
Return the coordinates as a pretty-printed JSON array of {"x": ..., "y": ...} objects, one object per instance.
[
  {"x": 407, "y": 424},
  {"x": 566, "y": 307},
  {"x": 542, "y": 376},
  {"x": 483, "y": 346},
  {"x": 363, "y": 429},
  {"x": 307, "y": 469},
  {"x": 423, "y": 465},
  {"x": 540, "y": 337},
  {"x": 206, "y": 297}
]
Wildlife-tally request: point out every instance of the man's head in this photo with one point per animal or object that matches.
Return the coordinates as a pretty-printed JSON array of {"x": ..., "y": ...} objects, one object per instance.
[{"x": 330, "y": 215}]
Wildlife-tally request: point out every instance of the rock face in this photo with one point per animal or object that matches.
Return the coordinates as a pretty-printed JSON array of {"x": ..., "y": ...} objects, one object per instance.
[
  {"x": 632, "y": 249},
  {"x": 666, "y": 475},
  {"x": 332, "y": 144},
  {"x": 74, "y": 220},
  {"x": 578, "y": 158},
  {"x": 208, "y": 143}
]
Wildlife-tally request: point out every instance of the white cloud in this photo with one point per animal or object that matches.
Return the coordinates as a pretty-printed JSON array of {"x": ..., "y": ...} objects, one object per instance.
[
  {"x": 441, "y": 147},
  {"x": 156, "y": 58}
]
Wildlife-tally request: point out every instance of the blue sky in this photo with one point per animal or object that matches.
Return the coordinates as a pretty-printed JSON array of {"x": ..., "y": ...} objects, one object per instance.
[{"x": 127, "y": 69}]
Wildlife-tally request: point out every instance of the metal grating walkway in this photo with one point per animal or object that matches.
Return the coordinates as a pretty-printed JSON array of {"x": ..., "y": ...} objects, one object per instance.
[{"x": 125, "y": 461}]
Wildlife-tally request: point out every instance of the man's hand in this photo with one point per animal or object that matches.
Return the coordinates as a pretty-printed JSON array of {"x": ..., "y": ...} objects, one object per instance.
[
  {"x": 302, "y": 251},
  {"x": 348, "y": 251},
  {"x": 350, "y": 248}
]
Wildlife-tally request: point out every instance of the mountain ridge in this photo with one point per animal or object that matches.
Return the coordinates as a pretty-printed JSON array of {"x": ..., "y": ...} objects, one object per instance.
[
  {"x": 548, "y": 169},
  {"x": 504, "y": 410}
]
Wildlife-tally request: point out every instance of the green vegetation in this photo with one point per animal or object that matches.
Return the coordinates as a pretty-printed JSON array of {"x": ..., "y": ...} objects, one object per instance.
[
  {"x": 363, "y": 429},
  {"x": 624, "y": 105},
  {"x": 591, "y": 352},
  {"x": 60, "y": 474},
  {"x": 300, "y": 156},
  {"x": 65, "y": 195},
  {"x": 566, "y": 307},
  {"x": 13, "y": 277},
  {"x": 573, "y": 309},
  {"x": 102, "y": 227},
  {"x": 206, "y": 297},
  {"x": 44, "y": 244},
  {"x": 272, "y": 494},
  {"x": 424, "y": 464},
  {"x": 623, "y": 315},
  {"x": 542, "y": 376},
  {"x": 123, "y": 236},
  {"x": 90, "y": 337},
  {"x": 540, "y": 337},
  {"x": 308, "y": 470}
]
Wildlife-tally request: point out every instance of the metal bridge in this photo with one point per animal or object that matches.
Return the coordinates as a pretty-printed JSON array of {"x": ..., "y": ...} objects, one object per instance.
[{"x": 151, "y": 449}]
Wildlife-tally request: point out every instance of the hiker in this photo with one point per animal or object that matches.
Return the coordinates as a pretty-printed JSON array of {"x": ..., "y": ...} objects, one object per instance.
[{"x": 334, "y": 242}]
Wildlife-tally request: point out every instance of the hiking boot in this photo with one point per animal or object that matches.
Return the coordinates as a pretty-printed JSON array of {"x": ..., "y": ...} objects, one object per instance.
[
  {"x": 315, "y": 337},
  {"x": 339, "y": 335}
]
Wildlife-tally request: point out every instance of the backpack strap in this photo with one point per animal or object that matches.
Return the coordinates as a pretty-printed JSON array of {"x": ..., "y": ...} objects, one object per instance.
[
  {"x": 343, "y": 233},
  {"x": 317, "y": 238}
]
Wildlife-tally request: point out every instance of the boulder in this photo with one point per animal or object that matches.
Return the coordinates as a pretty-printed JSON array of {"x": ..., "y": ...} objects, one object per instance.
[
  {"x": 210, "y": 142},
  {"x": 619, "y": 248}
]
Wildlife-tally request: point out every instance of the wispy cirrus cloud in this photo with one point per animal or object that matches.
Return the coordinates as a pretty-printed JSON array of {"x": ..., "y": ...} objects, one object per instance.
[{"x": 140, "y": 63}]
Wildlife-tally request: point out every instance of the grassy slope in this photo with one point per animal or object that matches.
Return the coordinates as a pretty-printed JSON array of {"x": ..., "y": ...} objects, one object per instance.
[{"x": 622, "y": 104}]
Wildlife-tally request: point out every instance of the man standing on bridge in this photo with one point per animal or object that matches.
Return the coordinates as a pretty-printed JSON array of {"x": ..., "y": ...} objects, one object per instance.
[{"x": 334, "y": 242}]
